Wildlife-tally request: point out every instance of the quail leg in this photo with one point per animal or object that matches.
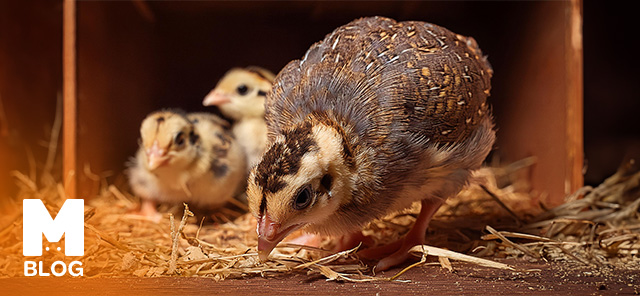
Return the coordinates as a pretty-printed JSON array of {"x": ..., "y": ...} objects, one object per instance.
[
  {"x": 148, "y": 210},
  {"x": 400, "y": 249},
  {"x": 345, "y": 242},
  {"x": 352, "y": 240}
]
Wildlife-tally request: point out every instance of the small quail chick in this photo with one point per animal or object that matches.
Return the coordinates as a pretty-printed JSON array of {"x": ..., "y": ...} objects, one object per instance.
[
  {"x": 240, "y": 95},
  {"x": 186, "y": 158},
  {"x": 374, "y": 117}
]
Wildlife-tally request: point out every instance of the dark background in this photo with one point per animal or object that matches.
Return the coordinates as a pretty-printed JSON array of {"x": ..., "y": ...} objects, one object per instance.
[{"x": 611, "y": 89}]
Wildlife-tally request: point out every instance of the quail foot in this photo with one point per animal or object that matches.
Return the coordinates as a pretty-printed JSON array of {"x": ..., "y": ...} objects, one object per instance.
[
  {"x": 189, "y": 158},
  {"x": 376, "y": 116},
  {"x": 240, "y": 95}
]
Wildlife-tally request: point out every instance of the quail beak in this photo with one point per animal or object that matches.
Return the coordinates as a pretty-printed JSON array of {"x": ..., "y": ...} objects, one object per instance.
[
  {"x": 156, "y": 156},
  {"x": 216, "y": 97},
  {"x": 270, "y": 234}
]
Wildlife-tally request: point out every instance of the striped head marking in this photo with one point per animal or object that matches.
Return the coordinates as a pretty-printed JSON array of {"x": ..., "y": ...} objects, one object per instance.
[{"x": 298, "y": 182}]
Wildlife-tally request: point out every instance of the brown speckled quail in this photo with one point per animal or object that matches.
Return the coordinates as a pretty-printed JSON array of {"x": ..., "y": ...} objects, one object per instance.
[{"x": 374, "y": 117}]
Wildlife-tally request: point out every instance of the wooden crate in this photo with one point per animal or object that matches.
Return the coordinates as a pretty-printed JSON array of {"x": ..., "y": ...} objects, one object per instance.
[{"x": 124, "y": 59}]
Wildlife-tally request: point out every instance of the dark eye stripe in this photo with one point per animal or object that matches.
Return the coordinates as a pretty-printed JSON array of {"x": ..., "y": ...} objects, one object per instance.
[
  {"x": 193, "y": 137},
  {"x": 263, "y": 204},
  {"x": 326, "y": 182}
]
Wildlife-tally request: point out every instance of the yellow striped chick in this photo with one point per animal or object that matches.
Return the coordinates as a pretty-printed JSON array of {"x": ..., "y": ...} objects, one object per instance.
[
  {"x": 189, "y": 158},
  {"x": 240, "y": 95}
]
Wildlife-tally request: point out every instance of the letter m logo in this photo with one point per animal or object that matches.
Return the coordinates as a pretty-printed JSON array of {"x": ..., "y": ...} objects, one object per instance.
[{"x": 37, "y": 221}]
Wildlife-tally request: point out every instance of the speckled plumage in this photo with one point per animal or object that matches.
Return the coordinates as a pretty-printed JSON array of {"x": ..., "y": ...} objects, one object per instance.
[
  {"x": 417, "y": 73},
  {"x": 407, "y": 103}
]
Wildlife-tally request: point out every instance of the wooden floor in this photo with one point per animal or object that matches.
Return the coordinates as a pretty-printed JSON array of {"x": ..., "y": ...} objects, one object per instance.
[{"x": 551, "y": 279}]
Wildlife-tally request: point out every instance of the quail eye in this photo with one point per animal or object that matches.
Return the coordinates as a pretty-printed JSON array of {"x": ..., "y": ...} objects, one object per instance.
[
  {"x": 303, "y": 199},
  {"x": 242, "y": 89},
  {"x": 179, "y": 139}
]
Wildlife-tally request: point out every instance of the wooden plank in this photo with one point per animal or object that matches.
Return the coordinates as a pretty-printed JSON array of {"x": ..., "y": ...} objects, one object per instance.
[
  {"x": 542, "y": 109},
  {"x": 70, "y": 110},
  {"x": 575, "y": 132}
]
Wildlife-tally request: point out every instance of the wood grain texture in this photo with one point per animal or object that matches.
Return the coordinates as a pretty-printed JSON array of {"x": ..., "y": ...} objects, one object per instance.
[
  {"x": 70, "y": 109},
  {"x": 575, "y": 106},
  {"x": 542, "y": 116}
]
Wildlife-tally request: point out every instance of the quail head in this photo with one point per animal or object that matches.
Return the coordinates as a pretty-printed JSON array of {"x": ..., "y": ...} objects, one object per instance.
[
  {"x": 240, "y": 95},
  {"x": 186, "y": 158},
  {"x": 376, "y": 116}
]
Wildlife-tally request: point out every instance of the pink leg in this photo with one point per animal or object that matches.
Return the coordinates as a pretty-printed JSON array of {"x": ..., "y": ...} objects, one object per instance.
[
  {"x": 352, "y": 240},
  {"x": 345, "y": 242},
  {"x": 415, "y": 237},
  {"x": 148, "y": 209}
]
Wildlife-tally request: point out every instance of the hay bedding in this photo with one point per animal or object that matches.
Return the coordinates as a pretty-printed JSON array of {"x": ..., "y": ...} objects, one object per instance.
[{"x": 597, "y": 227}]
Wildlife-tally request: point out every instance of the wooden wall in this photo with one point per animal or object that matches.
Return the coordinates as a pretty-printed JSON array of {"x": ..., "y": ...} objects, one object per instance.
[
  {"x": 116, "y": 86},
  {"x": 540, "y": 109},
  {"x": 137, "y": 56},
  {"x": 30, "y": 81}
]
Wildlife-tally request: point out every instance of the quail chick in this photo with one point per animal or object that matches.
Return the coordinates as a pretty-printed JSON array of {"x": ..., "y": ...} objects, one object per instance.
[
  {"x": 240, "y": 95},
  {"x": 186, "y": 158},
  {"x": 378, "y": 115}
]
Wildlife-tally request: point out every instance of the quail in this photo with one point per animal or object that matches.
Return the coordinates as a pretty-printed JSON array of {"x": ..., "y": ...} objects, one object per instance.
[
  {"x": 376, "y": 116},
  {"x": 240, "y": 95},
  {"x": 186, "y": 158}
]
